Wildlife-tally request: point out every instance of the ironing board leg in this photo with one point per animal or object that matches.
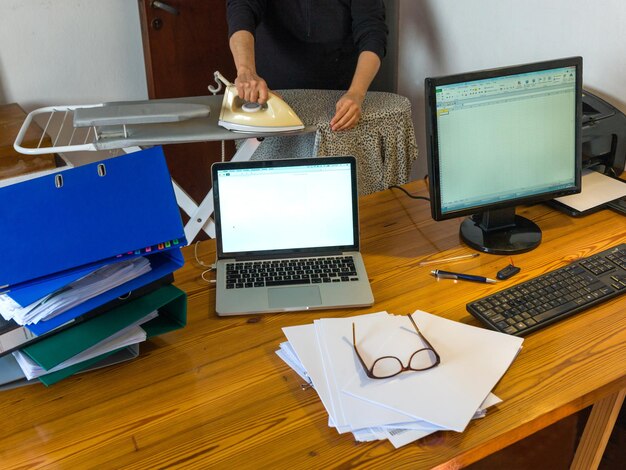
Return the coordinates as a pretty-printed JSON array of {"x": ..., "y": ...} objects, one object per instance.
[{"x": 200, "y": 215}]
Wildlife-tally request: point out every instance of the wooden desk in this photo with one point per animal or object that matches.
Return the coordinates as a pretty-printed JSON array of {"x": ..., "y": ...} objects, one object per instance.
[{"x": 215, "y": 395}]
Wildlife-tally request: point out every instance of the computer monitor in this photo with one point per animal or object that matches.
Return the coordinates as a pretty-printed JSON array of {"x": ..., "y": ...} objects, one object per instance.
[{"x": 500, "y": 138}]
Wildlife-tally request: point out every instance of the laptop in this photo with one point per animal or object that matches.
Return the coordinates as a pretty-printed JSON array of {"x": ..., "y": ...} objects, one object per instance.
[{"x": 288, "y": 236}]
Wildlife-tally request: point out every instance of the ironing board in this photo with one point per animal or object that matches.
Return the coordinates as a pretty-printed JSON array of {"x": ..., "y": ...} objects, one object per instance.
[
  {"x": 383, "y": 142},
  {"x": 131, "y": 125}
]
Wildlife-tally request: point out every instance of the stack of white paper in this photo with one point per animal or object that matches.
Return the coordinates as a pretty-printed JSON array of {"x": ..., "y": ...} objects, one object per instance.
[
  {"x": 75, "y": 293},
  {"x": 412, "y": 404}
]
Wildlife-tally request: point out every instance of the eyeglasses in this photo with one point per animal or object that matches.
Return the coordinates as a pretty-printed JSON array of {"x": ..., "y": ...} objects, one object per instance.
[{"x": 389, "y": 366}]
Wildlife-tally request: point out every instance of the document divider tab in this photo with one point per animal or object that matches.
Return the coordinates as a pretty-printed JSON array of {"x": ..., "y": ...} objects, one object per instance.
[
  {"x": 83, "y": 216},
  {"x": 169, "y": 301}
]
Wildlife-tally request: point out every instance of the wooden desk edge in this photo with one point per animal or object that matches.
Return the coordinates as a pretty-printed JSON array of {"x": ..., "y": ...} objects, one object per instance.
[{"x": 606, "y": 403}]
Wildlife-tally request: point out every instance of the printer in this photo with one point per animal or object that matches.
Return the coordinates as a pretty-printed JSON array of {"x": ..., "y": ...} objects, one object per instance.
[
  {"x": 603, "y": 136},
  {"x": 603, "y": 150}
]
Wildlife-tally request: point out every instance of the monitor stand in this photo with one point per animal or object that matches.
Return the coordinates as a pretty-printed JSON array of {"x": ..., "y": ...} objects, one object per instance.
[{"x": 500, "y": 232}]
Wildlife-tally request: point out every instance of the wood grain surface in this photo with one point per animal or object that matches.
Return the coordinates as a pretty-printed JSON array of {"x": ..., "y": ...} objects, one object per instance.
[
  {"x": 215, "y": 394},
  {"x": 12, "y": 164}
]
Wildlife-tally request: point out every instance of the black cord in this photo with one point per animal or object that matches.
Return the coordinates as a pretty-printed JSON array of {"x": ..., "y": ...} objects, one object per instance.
[{"x": 408, "y": 193}]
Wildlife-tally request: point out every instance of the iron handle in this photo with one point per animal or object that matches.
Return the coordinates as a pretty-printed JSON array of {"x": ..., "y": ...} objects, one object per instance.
[{"x": 165, "y": 7}]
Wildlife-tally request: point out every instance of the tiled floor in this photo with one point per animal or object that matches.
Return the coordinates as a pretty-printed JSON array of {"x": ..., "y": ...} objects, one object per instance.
[{"x": 553, "y": 448}]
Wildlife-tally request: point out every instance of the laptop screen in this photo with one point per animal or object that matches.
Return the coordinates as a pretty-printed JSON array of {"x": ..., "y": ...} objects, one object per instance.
[{"x": 285, "y": 206}]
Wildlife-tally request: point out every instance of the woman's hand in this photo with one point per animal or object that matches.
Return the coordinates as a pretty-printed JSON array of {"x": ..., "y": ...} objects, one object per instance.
[{"x": 347, "y": 112}]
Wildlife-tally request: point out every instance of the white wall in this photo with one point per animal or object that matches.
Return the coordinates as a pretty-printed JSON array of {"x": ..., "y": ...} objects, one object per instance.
[
  {"x": 439, "y": 37},
  {"x": 59, "y": 52}
]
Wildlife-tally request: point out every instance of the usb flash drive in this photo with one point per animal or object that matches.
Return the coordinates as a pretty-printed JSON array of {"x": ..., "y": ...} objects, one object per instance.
[{"x": 507, "y": 272}]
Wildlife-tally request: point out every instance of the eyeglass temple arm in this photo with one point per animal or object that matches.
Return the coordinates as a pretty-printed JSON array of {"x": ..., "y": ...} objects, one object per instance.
[
  {"x": 358, "y": 355},
  {"x": 420, "y": 334}
]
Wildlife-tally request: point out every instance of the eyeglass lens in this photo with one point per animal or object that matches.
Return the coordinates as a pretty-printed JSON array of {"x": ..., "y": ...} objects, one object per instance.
[
  {"x": 388, "y": 366},
  {"x": 423, "y": 359}
]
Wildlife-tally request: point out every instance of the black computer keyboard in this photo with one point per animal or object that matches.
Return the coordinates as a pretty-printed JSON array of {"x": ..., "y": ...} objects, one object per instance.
[{"x": 545, "y": 299}]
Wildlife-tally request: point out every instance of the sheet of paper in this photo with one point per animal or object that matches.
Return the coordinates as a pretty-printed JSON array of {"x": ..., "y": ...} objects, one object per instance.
[
  {"x": 401, "y": 437},
  {"x": 81, "y": 290},
  {"x": 448, "y": 395},
  {"x": 369, "y": 434},
  {"x": 304, "y": 342},
  {"x": 287, "y": 354},
  {"x": 597, "y": 189},
  {"x": 130, "y": 335},
  {"x": 340, "y": 364},
  {"x": 399, "y": 433}
]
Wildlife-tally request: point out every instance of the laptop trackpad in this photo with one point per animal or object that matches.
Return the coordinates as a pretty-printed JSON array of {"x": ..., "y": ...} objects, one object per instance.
[{"x": 288, "y": 297}]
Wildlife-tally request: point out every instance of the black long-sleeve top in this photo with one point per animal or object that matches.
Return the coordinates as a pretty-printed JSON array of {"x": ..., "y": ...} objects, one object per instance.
[{"x": 310, "y": 43}]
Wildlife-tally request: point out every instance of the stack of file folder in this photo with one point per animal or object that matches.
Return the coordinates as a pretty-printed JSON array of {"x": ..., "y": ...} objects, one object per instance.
[
  {"x": 412, "y": 404},
  {"x": 87, "y": 269}
]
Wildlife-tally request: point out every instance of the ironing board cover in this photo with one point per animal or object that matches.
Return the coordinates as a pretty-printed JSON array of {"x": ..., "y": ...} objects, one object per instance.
[{"x": 383, "y": 142}]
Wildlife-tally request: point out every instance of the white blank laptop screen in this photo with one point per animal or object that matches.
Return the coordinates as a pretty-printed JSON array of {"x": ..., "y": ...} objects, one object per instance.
[{"x": 286, "y": 207}]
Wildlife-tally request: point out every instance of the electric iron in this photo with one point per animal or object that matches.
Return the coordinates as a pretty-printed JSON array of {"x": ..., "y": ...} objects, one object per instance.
[{"x": 241, "y": 116}]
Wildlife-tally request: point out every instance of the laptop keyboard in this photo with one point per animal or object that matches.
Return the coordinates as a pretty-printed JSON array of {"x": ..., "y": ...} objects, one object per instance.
[{"x": 292, "y": 271}]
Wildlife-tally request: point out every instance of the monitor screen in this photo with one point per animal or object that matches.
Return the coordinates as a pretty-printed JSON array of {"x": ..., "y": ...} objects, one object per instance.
[
  {"x": 499, "y": 138},
  {"x": 286, "y": 207}
]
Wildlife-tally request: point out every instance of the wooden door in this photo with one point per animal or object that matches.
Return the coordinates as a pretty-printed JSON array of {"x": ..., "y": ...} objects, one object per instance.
[{"x": 184, "y": 42}]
